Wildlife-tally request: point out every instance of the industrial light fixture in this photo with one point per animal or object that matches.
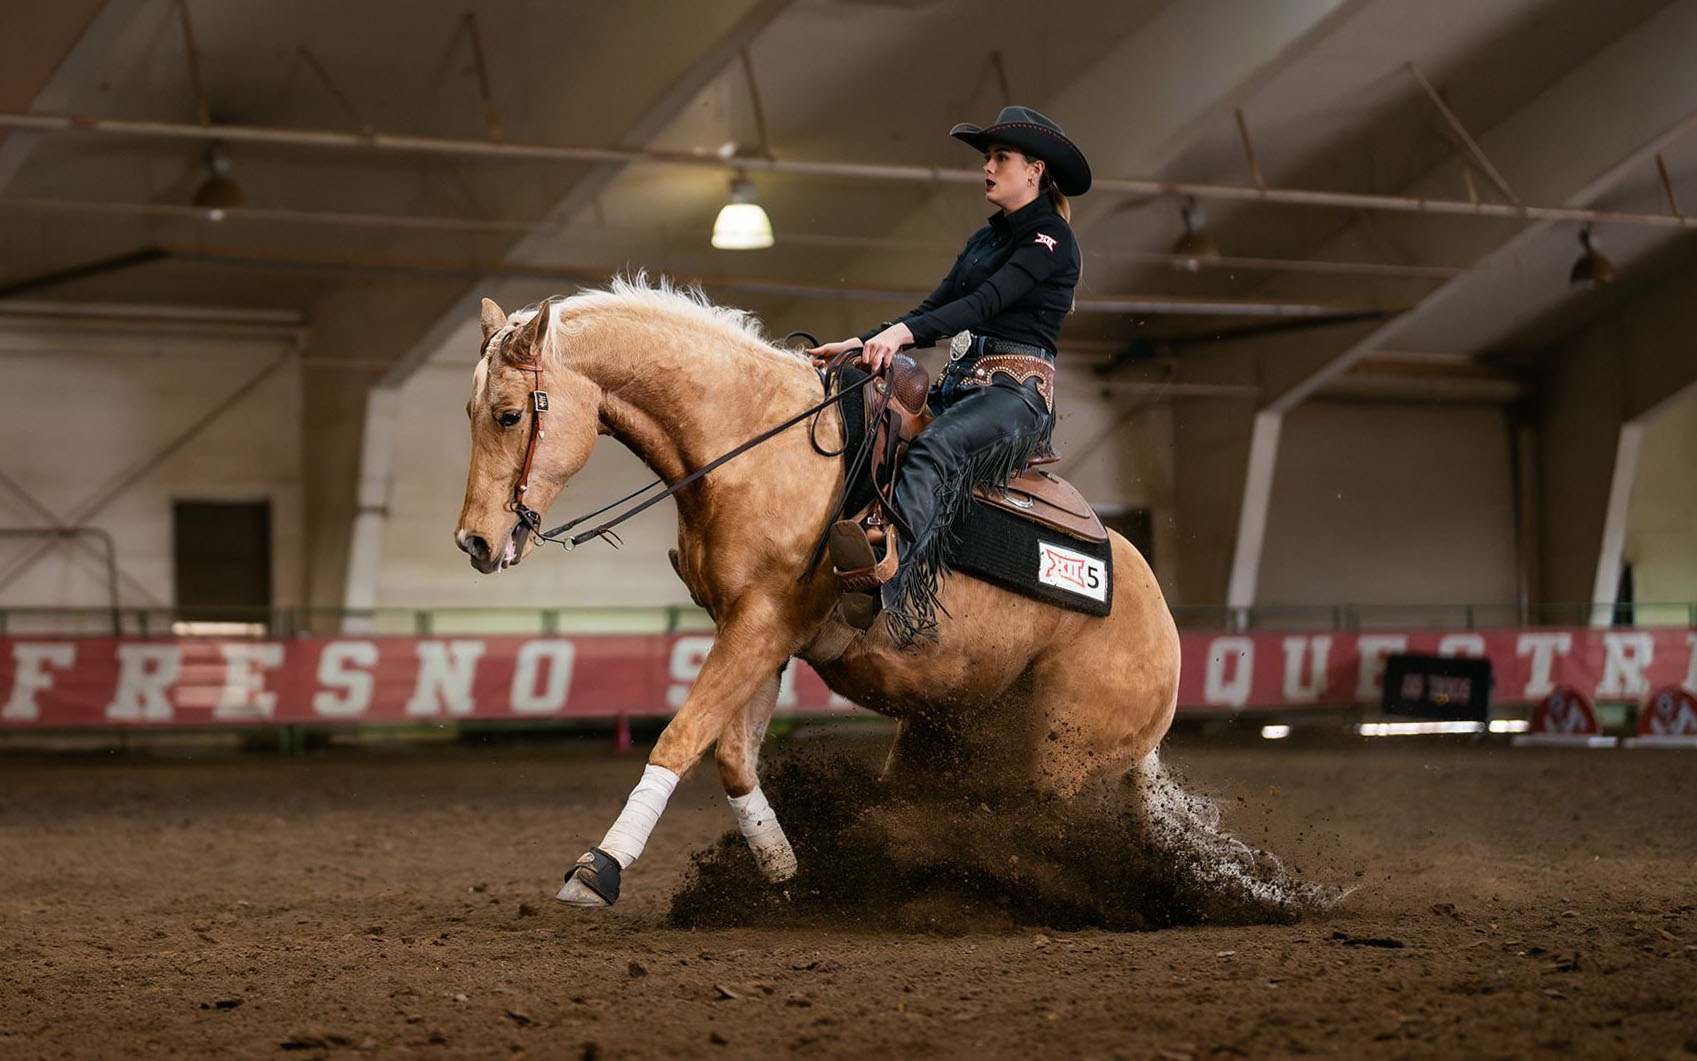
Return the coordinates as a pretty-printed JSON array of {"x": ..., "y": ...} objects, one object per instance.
[
  {"x": 1592, "y": 268},
  {"x": 742, "y": 225},
  {"x": 218, "y": 192},
  {"x": 1195, "y": 246}
]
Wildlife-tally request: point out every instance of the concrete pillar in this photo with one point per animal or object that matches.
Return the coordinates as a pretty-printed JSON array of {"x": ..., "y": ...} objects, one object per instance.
[
  {"x": 371, "y": 515},
  {"x": 368, "y": 321},
  {"x": 1252, "y": 513}
]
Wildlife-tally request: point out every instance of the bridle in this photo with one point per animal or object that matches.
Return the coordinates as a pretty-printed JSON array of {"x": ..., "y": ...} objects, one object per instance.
[{"x": 538, "y": 405}]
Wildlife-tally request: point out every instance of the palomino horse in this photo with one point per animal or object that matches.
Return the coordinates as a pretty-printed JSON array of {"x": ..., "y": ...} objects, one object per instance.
[{"x": 1011, "y": 693}]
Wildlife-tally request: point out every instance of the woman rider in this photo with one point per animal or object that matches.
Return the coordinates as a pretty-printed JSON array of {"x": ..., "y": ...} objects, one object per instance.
[{"x": 1000, "y": 308}]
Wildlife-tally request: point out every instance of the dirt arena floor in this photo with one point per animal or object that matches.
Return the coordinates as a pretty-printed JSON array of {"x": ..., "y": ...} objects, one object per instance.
[{"x": 1510, "y": 903}]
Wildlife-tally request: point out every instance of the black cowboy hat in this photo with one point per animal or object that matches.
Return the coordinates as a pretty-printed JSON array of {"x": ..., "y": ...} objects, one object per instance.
[{"x": 1037, "y": 136}]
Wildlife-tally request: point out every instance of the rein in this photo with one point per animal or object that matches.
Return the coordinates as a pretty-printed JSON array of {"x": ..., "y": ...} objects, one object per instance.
[{"x": 539, "y": 402}]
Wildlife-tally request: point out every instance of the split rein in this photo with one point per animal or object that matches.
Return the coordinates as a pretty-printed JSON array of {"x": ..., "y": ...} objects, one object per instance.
[{"x": 539, "y": 405}]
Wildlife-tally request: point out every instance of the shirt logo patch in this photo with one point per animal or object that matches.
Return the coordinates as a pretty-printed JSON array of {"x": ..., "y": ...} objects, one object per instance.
[{"x": 1047, "y": 241}]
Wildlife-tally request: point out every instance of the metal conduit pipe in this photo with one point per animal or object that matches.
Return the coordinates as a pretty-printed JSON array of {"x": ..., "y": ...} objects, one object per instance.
[
  {"x": 1137, "y": 187},
  {"x": 817, "y": 239},
  {"x": 1128, "y": 304},
  {"x": 586, "y": 275}
]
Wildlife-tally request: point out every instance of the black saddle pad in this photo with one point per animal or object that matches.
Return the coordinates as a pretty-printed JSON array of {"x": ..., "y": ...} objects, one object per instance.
[
  {"x": 1034, "y": 561},
  {"x": 997, "y": 546}
]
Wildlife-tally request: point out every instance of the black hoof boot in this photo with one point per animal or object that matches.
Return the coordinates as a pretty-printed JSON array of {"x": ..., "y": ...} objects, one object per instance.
[{"x": 594, "y": 881}]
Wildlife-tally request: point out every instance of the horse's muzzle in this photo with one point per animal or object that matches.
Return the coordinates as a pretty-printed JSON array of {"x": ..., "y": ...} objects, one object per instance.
[
  {"x": 476, "y": 546},
  {"x": 487, "y": 559}
]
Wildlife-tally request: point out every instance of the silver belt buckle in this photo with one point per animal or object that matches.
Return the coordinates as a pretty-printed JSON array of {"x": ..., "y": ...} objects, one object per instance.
[{"x": 959, "y": 345}]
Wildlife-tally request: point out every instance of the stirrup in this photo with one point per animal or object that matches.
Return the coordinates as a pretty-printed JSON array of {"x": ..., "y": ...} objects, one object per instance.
[{"x": 856, "y": 562}]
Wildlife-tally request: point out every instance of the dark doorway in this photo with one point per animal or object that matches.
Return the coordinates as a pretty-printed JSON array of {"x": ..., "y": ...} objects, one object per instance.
[
  {"x": 223, "y": 560},
  {"x": 1138, "y": 526}
]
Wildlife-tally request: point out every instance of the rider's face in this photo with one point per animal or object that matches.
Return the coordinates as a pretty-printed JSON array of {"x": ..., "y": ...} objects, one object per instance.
[{"x": 1010, "y": 178}]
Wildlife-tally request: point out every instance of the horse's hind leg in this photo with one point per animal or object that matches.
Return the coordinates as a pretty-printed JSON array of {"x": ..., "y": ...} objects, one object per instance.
[
  {"x": 1100, "y": 703},
  {"x": 974, "y": 755},
  {"x": 738, "y": 755}
]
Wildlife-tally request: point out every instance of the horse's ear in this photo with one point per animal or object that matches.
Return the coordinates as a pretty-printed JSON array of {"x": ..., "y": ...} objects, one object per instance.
[
  {"x": 494, "y": 318},
  {"x": 538, "y": 330}
]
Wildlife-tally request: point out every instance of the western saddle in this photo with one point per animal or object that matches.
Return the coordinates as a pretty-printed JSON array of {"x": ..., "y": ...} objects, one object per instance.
[{"x": 896, "y": 412}]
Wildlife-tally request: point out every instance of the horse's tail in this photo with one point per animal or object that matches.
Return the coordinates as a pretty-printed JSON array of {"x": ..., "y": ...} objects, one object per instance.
[{"x": 1240, "y": 883}]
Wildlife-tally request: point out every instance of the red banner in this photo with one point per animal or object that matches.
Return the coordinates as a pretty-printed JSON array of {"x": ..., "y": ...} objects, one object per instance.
[
  {"x": 1293, "y": 670},
  {"x": 106, "y": 682}
]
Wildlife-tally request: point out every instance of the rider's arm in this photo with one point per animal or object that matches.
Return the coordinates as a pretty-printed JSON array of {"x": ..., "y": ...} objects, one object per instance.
[
  {"x": 1031, "y": 264},
  {"x": 931, "y": 302}
]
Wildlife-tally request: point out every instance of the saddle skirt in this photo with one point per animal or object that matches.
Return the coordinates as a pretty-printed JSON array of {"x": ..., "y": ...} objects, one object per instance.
[{"x": 1048, "y": 501}]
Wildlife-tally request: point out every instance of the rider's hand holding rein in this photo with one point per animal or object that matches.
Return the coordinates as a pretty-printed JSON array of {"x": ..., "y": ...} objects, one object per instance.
[
  {"x": 822, "y": 354},
  {"x": 882, "y": 348}
]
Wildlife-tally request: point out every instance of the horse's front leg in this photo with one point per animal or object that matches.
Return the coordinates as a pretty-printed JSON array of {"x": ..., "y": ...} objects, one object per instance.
[
  {"x": 738, "y": 753},
  {"x": 744, "y": 658}
]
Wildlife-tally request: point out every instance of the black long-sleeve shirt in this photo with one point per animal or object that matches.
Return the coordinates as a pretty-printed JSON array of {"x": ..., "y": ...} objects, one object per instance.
[{"x": 1013, "y": 281}]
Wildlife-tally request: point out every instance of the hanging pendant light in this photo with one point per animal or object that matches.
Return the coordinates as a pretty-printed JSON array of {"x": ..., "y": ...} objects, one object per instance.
[
  {"x": 218, "y": 192},
  {"x": 1592, "y": 268},
  {"x": 1195, "y": 246},
  {"x": 742, "y": 224}
]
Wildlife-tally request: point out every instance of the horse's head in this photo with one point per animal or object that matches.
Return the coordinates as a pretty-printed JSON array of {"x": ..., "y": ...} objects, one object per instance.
[{"x": 511, "y": 423}]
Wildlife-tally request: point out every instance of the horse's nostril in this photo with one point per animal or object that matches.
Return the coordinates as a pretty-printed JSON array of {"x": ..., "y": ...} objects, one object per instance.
[{"x": 475, "y": 546}]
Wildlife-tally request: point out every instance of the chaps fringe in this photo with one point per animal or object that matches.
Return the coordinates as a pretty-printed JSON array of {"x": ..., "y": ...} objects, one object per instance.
[{"x": 910, "y": 598}]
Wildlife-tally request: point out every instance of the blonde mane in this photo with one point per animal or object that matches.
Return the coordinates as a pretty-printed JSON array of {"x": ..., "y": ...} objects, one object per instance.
[{"x": 684, "y": 305}]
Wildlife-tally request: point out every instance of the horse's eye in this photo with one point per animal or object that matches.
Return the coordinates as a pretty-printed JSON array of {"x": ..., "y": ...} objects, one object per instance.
[{"x": 508, "y": 418}]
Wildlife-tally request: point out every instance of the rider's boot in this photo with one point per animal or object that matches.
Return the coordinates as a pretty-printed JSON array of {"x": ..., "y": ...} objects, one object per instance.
[{"x": 863, "y": 573}]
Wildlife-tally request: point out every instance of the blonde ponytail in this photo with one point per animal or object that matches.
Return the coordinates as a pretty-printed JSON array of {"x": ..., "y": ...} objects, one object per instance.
[{"x": 1059, "y": 201}]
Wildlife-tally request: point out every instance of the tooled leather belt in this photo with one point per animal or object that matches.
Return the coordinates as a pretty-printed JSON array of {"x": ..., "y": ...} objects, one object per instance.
[{"x": 1019, "y": 362}]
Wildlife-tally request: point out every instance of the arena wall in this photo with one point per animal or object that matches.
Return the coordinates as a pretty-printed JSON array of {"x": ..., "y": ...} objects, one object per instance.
[
  {"x": 1377, "y": 503},
  {"x": 1661, "y": 537},
  {"x": 87, "y": 403}
]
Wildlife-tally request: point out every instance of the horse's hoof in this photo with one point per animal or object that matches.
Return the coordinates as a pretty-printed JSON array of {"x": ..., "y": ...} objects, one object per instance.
[
  {"x": 594, "y": 881},
  {"x": 777, "y": 862}
]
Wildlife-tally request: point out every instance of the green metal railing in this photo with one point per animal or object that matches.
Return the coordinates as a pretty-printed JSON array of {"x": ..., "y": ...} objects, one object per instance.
[
  {"x": 290, "y": 622},
  {"x": 1434, "y": 616}
]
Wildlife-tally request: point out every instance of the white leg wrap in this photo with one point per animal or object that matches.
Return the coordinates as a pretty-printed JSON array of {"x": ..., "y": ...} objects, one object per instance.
[
  {"x": 629, "y": 834},
  {"x": 772, "y": 851}
]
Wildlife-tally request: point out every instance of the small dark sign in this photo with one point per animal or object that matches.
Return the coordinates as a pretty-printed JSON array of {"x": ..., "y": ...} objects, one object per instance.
[{"x": 1438, "y": 687}]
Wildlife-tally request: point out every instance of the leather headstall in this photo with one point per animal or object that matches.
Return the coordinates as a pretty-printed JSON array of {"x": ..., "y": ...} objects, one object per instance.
[{"x": 538, "y": 406}]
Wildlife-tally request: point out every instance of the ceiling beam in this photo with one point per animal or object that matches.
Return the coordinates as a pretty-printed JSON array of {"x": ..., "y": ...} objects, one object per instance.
[
  {"x": 709, "y": 64},
  {"x": 51, "y": 52},
  {"x": 1143, "y": 101},
  {"x": 1573, "y": 144}
]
